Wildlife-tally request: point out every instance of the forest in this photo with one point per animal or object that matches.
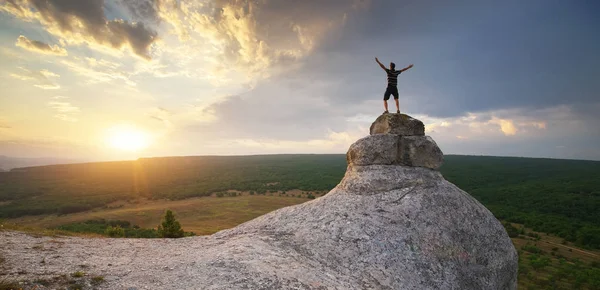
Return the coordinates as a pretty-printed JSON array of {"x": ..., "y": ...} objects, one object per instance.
[{"x": 561, "y": 197}]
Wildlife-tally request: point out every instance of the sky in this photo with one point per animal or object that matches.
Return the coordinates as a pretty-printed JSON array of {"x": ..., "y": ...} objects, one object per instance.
[{"x": 120, "y": 79}]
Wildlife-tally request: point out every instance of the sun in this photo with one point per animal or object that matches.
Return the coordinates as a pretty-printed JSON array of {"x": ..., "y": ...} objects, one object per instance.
[{"x": 128, "y": 138}]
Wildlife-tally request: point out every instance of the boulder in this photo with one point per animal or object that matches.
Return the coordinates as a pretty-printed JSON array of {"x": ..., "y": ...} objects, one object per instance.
[
  {"x": 391, "y": 149},
  {"x": 399, "y": 124},
  {"x": 374, "y": 149},
  {"x": 420, "y": 151}
]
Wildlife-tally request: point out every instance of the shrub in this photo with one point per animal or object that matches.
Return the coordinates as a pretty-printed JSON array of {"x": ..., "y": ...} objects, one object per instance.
[
  {"x": 532, "y": 249},
  {"x": 97, "y": 280},
  {"x": 115, "y": 232},
  {"x": 538, "y": 262},
  {"x": 78, "y": 274},
  {"x": 220, "y": 194},
  {"x": 512, "y": 231},
  {"x": 170, "y": 227}
]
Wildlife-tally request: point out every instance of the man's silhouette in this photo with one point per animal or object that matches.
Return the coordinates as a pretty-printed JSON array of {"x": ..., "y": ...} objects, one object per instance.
[{"x": 392, "y": 86}]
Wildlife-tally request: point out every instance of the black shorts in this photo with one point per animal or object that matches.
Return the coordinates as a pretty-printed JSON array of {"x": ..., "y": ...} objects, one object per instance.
[{"x": 390, "y": 91}]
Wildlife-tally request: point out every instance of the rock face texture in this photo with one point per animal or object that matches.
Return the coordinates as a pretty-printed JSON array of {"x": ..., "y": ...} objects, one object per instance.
[
  {"x": 391, "y": 149},
  {"x": 399, "y": 124},
  {"x": 396, "y": 139},
  {"x": 393, "y": 222}
]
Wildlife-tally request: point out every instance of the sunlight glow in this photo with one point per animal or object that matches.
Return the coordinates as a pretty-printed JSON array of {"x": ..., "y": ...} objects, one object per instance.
[{"x": 128, "y": 138}]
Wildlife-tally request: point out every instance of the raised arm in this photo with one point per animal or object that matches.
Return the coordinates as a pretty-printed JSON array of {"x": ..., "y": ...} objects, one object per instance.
[
  {"x": 406, "y": 68},
  {"x": 380, "y": 64}
]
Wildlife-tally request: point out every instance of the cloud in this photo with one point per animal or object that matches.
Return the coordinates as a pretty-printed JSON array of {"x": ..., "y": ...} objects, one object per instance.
[
  {"x": 332, "y": 142},
  {"x": 40, "y": 77},
  {"x": 40, "y": 47},
  {"x": 98, "y": 71},
  {"x": 48, "y": 87},
  {"x": 142, "y": 10},
  {"x": 561, "y": 122},
  {"x": 556, "y": 132},
  {"x": 43, "y": 146},
  {"x": 81, "y": 22},
  {"x": 282, "y": 120},
  {"x": 506, "y": 126},
  {"x": 252, "y": 36},
  {"x": 487, "y": 124},
  {"x": 64, "y": 110},
  {"x": 161, "y": 114}
]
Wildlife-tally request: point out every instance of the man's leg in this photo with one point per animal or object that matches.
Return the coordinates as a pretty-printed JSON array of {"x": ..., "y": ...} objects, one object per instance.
[
  {"x": 386, "y": 97},
  {"x": 396, "y": 96}
]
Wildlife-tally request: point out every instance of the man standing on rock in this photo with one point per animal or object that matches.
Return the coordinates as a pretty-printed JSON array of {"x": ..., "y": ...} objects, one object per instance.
[{"x": 392, "y": 87}]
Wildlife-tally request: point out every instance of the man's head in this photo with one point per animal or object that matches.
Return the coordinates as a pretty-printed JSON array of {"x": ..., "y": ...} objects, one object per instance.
[{"x": 392, "y": 66}]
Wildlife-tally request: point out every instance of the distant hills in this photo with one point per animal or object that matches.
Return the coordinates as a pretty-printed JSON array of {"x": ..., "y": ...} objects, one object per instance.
[{"x": 7, "y": 163}]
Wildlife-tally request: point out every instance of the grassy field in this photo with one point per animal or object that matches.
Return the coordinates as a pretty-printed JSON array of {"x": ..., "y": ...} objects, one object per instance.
[
  {"x": 202, "y": 216},
  {"x": 64, "y": 189},
  {"x": 547, "y": 262}
]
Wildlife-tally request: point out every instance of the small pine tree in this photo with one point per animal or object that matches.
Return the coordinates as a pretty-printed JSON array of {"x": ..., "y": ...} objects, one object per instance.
[{"x": 170, "y": 227}]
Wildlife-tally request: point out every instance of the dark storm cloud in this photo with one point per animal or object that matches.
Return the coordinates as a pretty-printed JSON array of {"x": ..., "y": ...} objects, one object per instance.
[
  {"x": 142, "y": 10},
  {"x": 84, "y": 21},
  {"x": 469, "y": 56},
  {"x": 531, "y": 70}
]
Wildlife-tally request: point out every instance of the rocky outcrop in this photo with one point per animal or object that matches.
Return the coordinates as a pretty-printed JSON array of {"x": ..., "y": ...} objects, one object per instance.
[
  {"x": 391, "y": 149},
  {"x": 393, "y": 222},
  {"x": 396, "y": 139},
  {"x": 399, "y": 124}
]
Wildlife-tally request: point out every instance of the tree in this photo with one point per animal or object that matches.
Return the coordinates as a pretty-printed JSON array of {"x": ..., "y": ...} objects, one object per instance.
[
  {"x": 170, "y": 227},
  {"x": 115, "y": 232}
]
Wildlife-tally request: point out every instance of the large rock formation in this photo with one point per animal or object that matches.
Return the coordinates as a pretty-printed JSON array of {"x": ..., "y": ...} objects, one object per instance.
[
  {"x": 393, "y": 222},
  {"x": 396, "y": 139}
]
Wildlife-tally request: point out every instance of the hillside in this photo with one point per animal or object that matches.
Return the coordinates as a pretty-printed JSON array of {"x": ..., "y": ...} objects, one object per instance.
[
  {"x": 553, "y": 196},
  {"x": 63, "y": 189},
  {"x": 7, "y": 163}
]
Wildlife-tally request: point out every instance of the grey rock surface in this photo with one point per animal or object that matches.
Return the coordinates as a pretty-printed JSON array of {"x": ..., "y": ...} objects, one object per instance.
[
  {"x": 391, "y": 149},
  {"x": 380, "y": 149},
  {"x": 420, "y": 151},
  {"x": 399, "y": 124}
]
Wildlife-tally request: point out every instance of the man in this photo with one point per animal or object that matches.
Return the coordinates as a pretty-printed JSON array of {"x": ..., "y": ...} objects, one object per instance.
[{"x": 392, "y": 86}]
